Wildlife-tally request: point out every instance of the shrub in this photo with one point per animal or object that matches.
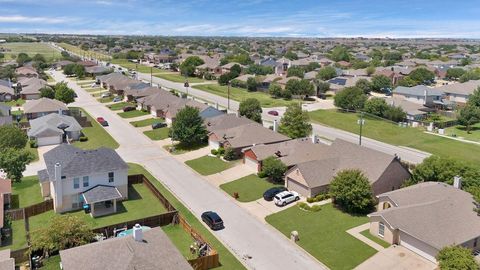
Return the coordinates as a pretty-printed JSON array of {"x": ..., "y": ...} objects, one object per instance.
[
  {"x": 214, "y": 152},
  {"x": 230, "y": 154},
  {"x": 262, "y": 174},
  {"x": 33, "y": 144},
  {"x": 221, "y": 151},
  {"x": 309, "y": 208},
  {"x": 83, "y": 138}
]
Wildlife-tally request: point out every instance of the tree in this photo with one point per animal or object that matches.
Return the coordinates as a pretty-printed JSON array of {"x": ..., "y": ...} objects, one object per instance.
[
  {"x": 236, "y": 69},
  {"x": 259, "y": 70},
  {"x": 275, "y": 90},
  {"x": 380, "y": 83},
  {"x": 394, "y": 113},
  {"x": 47, "y": 92},
  {"x": 291, "y": 55},
  {"x": 350, "y": 98},
  {"x": 63, "y": 93},
  {"x": 474, "y": 98},
  {"x": 62, "y": 232},
  {"x": 251, "y": 109},
  {"x": 469, "y": 116},
  {"x": 455, "y": 73},
  {"x": 327, "y": 73},
  {"x": 251, "y": 84},
  {"x": 351, "y": 190},
  {"x": 12, "y": 137},
  {"x": 188, "y": 127},
  {"x": 295, "y": 71},
  {"x": 79, "y": 71},
  {"x": 295, "y": 123},
  {"x": 274, "y": 169},
  {"x": 23, "y": 58},
  {"x": 322, "y": 86},
  {"x": 365, "y": 85},
  {"x": 376, "y": 106},
  {"x": 340, "y": 53},
  {"x": 370, "y": 70},
  {"x": 407, "y": 82},
  {"x": 455, "y": 258},
  {"x": 14, "y": 162},
  {"x": 39, "y": 58},
  {"x": 422, "y": 75},
  {"x": 189, "y": 65}
]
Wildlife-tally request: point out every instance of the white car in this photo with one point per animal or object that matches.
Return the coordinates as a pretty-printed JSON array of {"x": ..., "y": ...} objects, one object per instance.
[
  {"x": 107, "y": 94},
  {"x": 285, "y": 197}
]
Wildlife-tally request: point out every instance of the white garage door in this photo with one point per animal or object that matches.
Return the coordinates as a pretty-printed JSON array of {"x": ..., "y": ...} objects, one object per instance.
[
  {"x": 49, "y": 140},
  {"x": 213, "y": 145},
  {"x": 251, "y": 163},
  {"x": 295, "y": 186},
  {"x": 418, "y": 247}
]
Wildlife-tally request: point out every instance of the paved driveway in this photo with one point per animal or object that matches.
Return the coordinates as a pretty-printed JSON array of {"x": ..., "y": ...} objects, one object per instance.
[{"x": 396, "y": 258}]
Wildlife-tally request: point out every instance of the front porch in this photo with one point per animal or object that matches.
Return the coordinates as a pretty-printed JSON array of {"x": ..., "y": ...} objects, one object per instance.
[{"x": 101, "y": 200}]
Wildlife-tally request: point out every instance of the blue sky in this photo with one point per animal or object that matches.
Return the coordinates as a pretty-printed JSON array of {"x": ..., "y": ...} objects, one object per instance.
[{"x": 294, "y": 18}]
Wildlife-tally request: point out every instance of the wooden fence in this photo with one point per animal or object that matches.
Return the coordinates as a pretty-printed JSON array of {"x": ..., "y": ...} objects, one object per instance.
[
  {"x": 140, "y": 178},
  {"x": 16, "y": 214},
  {"x": 29, "y": 211},
  {"x": 20, "y": 255}
]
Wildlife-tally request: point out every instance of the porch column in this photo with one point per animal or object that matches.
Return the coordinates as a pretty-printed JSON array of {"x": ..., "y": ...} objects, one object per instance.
[
  {"x": 115, "y": 205},
  {"x": 92, "y": 210}
]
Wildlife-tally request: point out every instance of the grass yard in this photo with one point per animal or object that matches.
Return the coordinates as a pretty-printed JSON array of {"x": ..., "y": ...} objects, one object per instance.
[
  {"x": 249, "y": 188},
  {"x": 95, "y": 89},
  {"x": 390, "y": 133},
  {"x": 132, "y": 114},
  {"x": 323, "y": 234},
  {"x": 18, "y": 239},
  {"x": 51, "y": 263},
  {"x": 179, "y": 149},
  {"x": 460, "y": 132},
  {"x": 146, "y": 122},
  {"x": 13, "y": 103},
  {"x": 97, "y": 136},
  {"x": 26, "y": 192},
  {"x": 157, "y": 134},
  {"x": 120, "y": 105},
  {"x": 141, "y": 203},
  {"x": 139, "y": 67},
  {"x": 98, "y": 93},
  {"x": 209, "y": 165},
  {"x": 375, "y": 239},
  {"x": 227, "y": 260},
  {"x": 181, "y": 239},
  {"x": 77, "y": 50},
  {"x": 240, "y": 94},
  {"x": 105, "y": 100},
  {"x": 34, "y": 151},
  {"x": 176, "y": 77},
  {"x": 31, "y": 48}
]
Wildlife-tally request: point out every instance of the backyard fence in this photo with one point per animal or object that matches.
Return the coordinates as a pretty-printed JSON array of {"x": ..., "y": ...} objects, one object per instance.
[
  {"x": 38, "y": 208},
  {"x": 16, "y": 214},
  {"x": 141, "y": 179},
  {"x": 20, "y": 255}
]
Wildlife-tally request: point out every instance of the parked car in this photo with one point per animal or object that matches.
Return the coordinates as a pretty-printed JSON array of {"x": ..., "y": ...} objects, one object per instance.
[
  {"x": 102, "y": 121},
  {"x": 128, "y": 108},
  {"x": 75, "y": 95},
  {"x": 286, "y": 197},
  {"x": 158, "y": 125},
  {"x": 274, "y": 113},
  {"x": 271, "y": 192},
  {"x": 106, "y": 94},
  {"x": 213, "y": 220},
  {"x": 117, "y": 99}
]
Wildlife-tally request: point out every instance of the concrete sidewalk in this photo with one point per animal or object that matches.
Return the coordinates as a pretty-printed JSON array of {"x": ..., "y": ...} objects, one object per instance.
[
  {"x": 234, "y": 173},
  {"x": 355, "y": 232}
]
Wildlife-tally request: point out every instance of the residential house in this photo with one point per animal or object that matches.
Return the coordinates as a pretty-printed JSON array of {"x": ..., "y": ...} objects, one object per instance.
[
  {"x": 134, "y": 94},
  {"x": 54, "y": 129},
  {"x": 227, "y": 67},
  {"x": 6, "y": 262},
  {"x": 26, "y": 72},
  {"x": 427, "y": 217},
  {"x": 414, "y": 111},
  {"x": 163, "y": 57},
  {"x": 143, "y": 249},
  {"x": 87, "y": 63},
  {"x": 337, "y": 84},
  {"x": 210, "y": 65},
  {"x": 97, "y": 70},
  {"x": 459, "y": 92},
  {"x": 385, "y": 172},
  {"x": 30, "y": 87},
  {"x": 74, "y": 177},
  {"x": 43, "y": 106},
  {"x": 344, "y": 64},
  {"x": 420, "y": 94},
  {"x": 7, "y": 93}
]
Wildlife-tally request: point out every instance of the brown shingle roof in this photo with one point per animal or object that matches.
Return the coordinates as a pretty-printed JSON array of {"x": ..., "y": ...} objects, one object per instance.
[
  {"x": 44, "y": 105},
  {"x": 248, "y": 135}
]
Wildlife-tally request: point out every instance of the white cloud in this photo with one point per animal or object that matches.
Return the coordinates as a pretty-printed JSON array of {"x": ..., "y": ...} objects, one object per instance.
[{"x": 25, "y": 19}]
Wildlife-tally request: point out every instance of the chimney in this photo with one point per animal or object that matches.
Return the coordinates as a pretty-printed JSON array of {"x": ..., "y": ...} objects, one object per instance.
[
  {"x": 58, "y": 171},
  {"x": 138, "y": 233},
  {"x": 275, "y": 125},
  {"x": 314, "y": 139},
  {"x": 457, "y": 182},
  {"x": 58, "y": 187}
]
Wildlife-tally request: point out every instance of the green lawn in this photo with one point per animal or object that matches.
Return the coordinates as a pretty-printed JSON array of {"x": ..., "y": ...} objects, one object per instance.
[
  {"x": 460, "y": 132},
  {"x": 176, "y": 77},
  {"x": 132, "y": 114},
  {"x": 97, "y": 136},
  {"x": 227, "y": 260},
  {"x": 19, "y": 236},
  {"x": 105, "y": 100},
  {"x": 141, "y": 203},
  {"x": 31, "y": 48},
  {"x": 51, "y": 263},
  {"x": 179, "y": 149},
  {"x": 146, "y": 122},
  {"x": 240, "y": 94},
  {"x": 139, "y": 67},
  {"x": 98, "y": 94},
  {"x": 249, "y": 188},
  {"x": 181, "y": 239},
  {"x": 323, "y": 234},
  {"x": 77, "y": 50},
  {"x": 26, "y": 192},
  {"x": 157, "y": 134},
  {"x": 390, "y": 133},
  {"x": 375, "y": 239},
  {"x": 119, "y": 105},
  {"x": 34, "y": 151},
  {"x": 13, "y": 103},
  {"x": 96, "y": 89},
  {"x": 209, "y": 165}
]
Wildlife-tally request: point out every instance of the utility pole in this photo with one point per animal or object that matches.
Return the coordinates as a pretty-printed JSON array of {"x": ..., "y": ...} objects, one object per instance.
[
  {"x": 151, "y": 76},
  {"x": 228, "y": 96},
  {"x": 361, "y": 122},
  {"x": 186, "y": 84}
]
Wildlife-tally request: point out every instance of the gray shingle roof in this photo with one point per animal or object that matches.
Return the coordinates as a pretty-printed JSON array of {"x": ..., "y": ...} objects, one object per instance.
[
  {"x": 44, "y": 105},
  {"x": 465, "y": 88},
  {"x": 101, "y": 193},
  {"x": 52, "y": 122},
  {"x": 418, "y": 90}
]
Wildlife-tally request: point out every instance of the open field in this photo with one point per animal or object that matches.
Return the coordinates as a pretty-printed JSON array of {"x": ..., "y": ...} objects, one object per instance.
[
  {"x": 132, "y": 114},
  {"x": 176, "y": 77},
  {"x": 81, "y": 52},
  {"x": 139, "y": 67},
  {"x": 31, "y": 48},
  {"x": 240, "y": 94},
  {"x": 146, "y": 122},
  {"x": 375, "y": 239},
  {"x": 393, "y": 134},
  {"x": 157, "y": 134}
]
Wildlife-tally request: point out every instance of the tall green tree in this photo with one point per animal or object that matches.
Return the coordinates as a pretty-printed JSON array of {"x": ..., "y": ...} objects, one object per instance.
[
  {"x": 274, "y": 169},
  {"x": 188, "y": 127},
  {"x": 455, "y": 73},
  {"x": 23, "y": 58},
  {"x": 350, "y": 98},
  {"x": 365, "y": 85},
  {"x": 380, "y": 83},
  {"x": 275, "y": 90},
  {"x": 340, "y": 53},
  {"x": 14, "y": 162},
  {"x": 12, "y": 137},
  {"x": 251, "y": 109},
  {"x": 456, "y": 258},
  {"x": 376, "y": 106},
  {"x": 63, "y": 93},
  {"x": 327, "y": 73},
  {"x": 422, "y": 75},
  {"x": 188, "y": 66},
  {"x": 469, "y": 116},
  {"x": 351, "y": 190},
  {"x": 295, "y": 123},
  {"x": 474, "y": 99},
  {"x": 252, "y": 84},
  {"x": 295, "y": 71},
  {"x": 47, "y": 92}
]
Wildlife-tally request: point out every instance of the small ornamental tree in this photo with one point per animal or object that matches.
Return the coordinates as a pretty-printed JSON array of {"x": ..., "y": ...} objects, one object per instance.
[
  {"x": 188, "y": 127},
  {"x": 275, "y": 90},
  {"x": 350, "y": 189},
  {"x": 251, "y": 84},
  {"x": 251, "y": 109},
  {"x": 456, "y": 258},
  {"x": 295, "y": 123},
  {"x": 274, "y": 169}
]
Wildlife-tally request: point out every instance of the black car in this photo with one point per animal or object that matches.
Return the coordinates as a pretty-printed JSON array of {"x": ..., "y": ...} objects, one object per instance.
[
  {"x": 213, "y": 220},
  {"x": 271, "y": 192},
  {"x": 158, "y": 125},
  {"x": 104, "y": 123},
  {"x": 129, "y": 108}
]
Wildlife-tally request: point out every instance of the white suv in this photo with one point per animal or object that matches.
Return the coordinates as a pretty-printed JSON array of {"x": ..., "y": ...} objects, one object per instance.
[{"x": 286, "y": 197}]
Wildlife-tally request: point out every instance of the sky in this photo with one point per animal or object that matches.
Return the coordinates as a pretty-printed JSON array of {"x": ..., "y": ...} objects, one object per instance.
[{"x": 285, "y": 18}]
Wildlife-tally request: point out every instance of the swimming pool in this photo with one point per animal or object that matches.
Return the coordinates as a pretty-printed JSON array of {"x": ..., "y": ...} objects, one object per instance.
[{"x": 130, "y": 231}]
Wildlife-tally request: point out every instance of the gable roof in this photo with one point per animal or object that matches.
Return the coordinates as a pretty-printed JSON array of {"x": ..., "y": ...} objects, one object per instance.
[
  {"x": 466, "y": 88},
  {"x": 51, "y": 122},
  {"x": 44, "y": 105},
  {"x": 34, "y": 86},
  {"x": 418, "y": 90},
  {"x": 6, "y": 90},
  {"x": 226, "y": 121},
  {"x": 434, "y": 212}
]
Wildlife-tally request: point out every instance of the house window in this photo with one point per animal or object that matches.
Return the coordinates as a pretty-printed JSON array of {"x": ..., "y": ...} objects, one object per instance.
[
  {"x": 85, "y": 181},
  {"x": 381, "y": 229},
  {"x": 76, "y": 183},
  {"x": 110, "y": 177}
]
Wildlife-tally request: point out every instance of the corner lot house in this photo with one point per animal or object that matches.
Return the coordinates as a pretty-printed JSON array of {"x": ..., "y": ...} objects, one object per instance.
[
  {"x": 75, "y": 177},
  {"x": 54, "y": 129},
  {"x": 44, "y": 106},
  {"x": 31, "y": 88},
  {"x": 385, "y": 172},
  {"x": 427, "y": 217},
  {"x": 150, "y": 249},
  {"x": 6, "y": 91}
]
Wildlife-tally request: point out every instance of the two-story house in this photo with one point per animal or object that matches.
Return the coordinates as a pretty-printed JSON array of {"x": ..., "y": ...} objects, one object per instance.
[{"x": 75, "y": 177}]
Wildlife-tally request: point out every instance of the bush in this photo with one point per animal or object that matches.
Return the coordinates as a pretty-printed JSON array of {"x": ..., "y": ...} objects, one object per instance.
[
  {"x": 262, "y": 174},
  {"x": 230, "y": 154},
  {"x": 33, "y": 144},
  {"x": 320, "y": 197},
  {"x": 214, "y": 152},
  {"x": 309, "y": 208},
  {"x": 83, "y": 138},
  {"x": 221, "y": 151},
  {"x": 274, "y": 168}
]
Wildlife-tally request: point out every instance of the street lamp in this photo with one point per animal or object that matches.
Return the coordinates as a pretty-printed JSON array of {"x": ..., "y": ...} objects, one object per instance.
[{"x": 361, "y": 122}]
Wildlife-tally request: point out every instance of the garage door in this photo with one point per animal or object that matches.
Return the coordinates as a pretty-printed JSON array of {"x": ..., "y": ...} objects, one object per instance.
[
  {"x": 295, "y": 186},
  {"x": 213, "y": 145},
  {"x": 251, "y": 163},
  {"x": 418, "y": 247},
  {"x": 49, "y": 140}
]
